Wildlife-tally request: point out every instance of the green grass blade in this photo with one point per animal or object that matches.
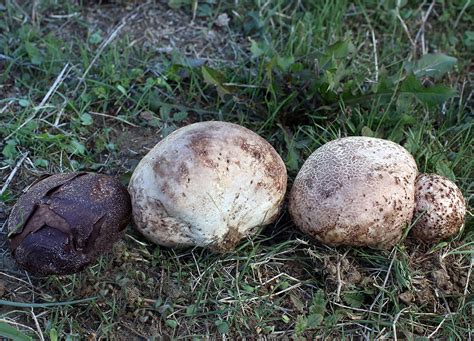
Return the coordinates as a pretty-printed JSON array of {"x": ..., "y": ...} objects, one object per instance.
[
  {"x": 9, "y": 332},
  {"x": 44, "y": 305}
]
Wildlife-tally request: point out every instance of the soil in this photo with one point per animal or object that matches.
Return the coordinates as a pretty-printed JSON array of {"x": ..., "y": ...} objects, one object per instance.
[{"x": 158, "y": 27}]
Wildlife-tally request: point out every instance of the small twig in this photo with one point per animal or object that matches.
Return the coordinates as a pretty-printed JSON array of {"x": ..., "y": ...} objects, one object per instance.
[
  {"x": 439, "y": 326},
  {"x": 339, "y": 279},
  {"x": 394, "y": 323},
  {"x": 12, "y": 174},
  {"x": 405, "y": 27},
  {"x": 64, "y": 16},
  {"x": 40, "y": 333},
  {"x": 421, "y": 31},
  {"x": 33, "y": 14},
  {"x": 376, "y": 60},
  {"x": 389, "y": 270},
  {"x": 16, "y": 279},
  {"x": 358, "y": 309},
  {"x": 467, "y": 279},
  {"x": 58, "y": 117},
  {"x": 2, "y": 110},
  {"x": 114, "y": 117}
]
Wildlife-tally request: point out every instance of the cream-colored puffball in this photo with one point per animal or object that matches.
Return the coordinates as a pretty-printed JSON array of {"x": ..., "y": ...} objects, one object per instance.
[
  {"x": 355, "y": 191},
  {"x": 207, "y": 184},
  {"x": 440, "y": 208}
]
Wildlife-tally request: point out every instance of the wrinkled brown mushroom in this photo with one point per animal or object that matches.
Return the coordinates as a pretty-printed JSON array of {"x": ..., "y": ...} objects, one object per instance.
[
  {"x": 439, "y": 210},
  {"x": 62, "y": 223},
  {"x": 207, "y": 184},
  {"x": 355, "y": 191}
]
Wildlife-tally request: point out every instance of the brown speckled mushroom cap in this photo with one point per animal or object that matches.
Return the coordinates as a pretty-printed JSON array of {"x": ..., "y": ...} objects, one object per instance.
[
  {"x": 207, "y": 184},
  {"x": 355, "y": 191},
  {"x": 62, "y": 223},
  {"x": 440, "y": 208}
]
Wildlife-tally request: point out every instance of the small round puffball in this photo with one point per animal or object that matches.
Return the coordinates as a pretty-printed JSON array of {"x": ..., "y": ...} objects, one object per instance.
[{"x": 440, "y": 208}]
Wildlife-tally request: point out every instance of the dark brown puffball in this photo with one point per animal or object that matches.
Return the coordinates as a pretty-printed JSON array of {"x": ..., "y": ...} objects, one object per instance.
[{"x": 62, "y": 223}]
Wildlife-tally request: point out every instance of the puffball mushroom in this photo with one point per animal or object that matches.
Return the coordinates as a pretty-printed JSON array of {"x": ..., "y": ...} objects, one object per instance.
[
  {"x": 63, "y": 222},
  {"x": 355, "y": 191},
  {"x": 207, "y": 184},
  {"x": 439, "y": 210}
]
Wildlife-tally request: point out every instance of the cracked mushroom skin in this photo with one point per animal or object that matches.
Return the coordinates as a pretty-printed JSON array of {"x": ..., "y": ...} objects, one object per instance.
[
  {"x": 63, "y": 222},
  {"x": 356, "y": 191},
  {"x": 207, "y": 184},
  {"x": 440, "y": 208}
]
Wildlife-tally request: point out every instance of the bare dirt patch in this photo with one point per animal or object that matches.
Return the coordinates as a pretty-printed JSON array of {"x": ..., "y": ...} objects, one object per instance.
[{"x": 159, "y": 28}]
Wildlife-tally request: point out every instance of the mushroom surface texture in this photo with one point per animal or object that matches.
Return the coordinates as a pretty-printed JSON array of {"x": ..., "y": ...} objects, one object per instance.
[
  {"x": 63, "y": 222},
  {"x": 207, "y": 184},
  {"x": 355, "y": 191},
  {"x": 439, "y": 210}
]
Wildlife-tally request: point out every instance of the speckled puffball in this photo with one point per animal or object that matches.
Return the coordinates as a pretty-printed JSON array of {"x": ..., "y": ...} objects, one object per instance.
[
  {"x": 440, "y": 208},
  {"x": 207, "y": 184},
  {"x": 355, "y": 191}
]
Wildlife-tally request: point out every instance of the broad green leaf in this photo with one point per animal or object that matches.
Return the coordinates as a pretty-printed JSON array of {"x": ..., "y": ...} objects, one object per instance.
[
  {"x": 34, "y": 53},
  {"x": 180, "y": 116},
  {"x": 95, "y": 38},
  {"x": 53, "y": 334},
  {"x": 171, "y": 323},
  {"x": 9, "y": 151},
  {"x": 253, "y": 23},
  {"x": 366, "y": 131},
  {"x": 41, "y": 163},
  {"x": 354, "y": 299},
  {"x": 468, "y": 39},
  {"x": 433, "y": 65},
  {"x": 216, "y": 78},
  {"x": 330, "y": 60},
  {"x": 292, "y": 158},
  {"x": 340, "y": 49},
  {"x": 248, "y": 288},
  {"x": 12, "y": 333},
  {"x": 297, "y": 303},
  {"x": 122, "y": 90},
  {"x": 255, "y": 49},
  {"x": 47, "y": 137},
  {"x": 301, "y": 324},
  {"x": 175, "y": 4},
  {"x": 428, "y": 95},
  {"x": 314, "y": 320},
  {"x": 222, "y": 327},
  {"x": 165, "y": 110},
  {"x": 24, "y": 103},
  {"x": 443, "y": 168},
  {"x": 191, "y": 310},
  {"x": 75, "y": 147},
  {"x": 318, "y": 305},
  {"x": 86, "y": 119},
  {"x": 285, "y": 62}
]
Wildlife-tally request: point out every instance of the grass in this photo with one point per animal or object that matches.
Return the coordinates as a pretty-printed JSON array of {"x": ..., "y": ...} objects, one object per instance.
[{"x": 84, "y": 87}]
